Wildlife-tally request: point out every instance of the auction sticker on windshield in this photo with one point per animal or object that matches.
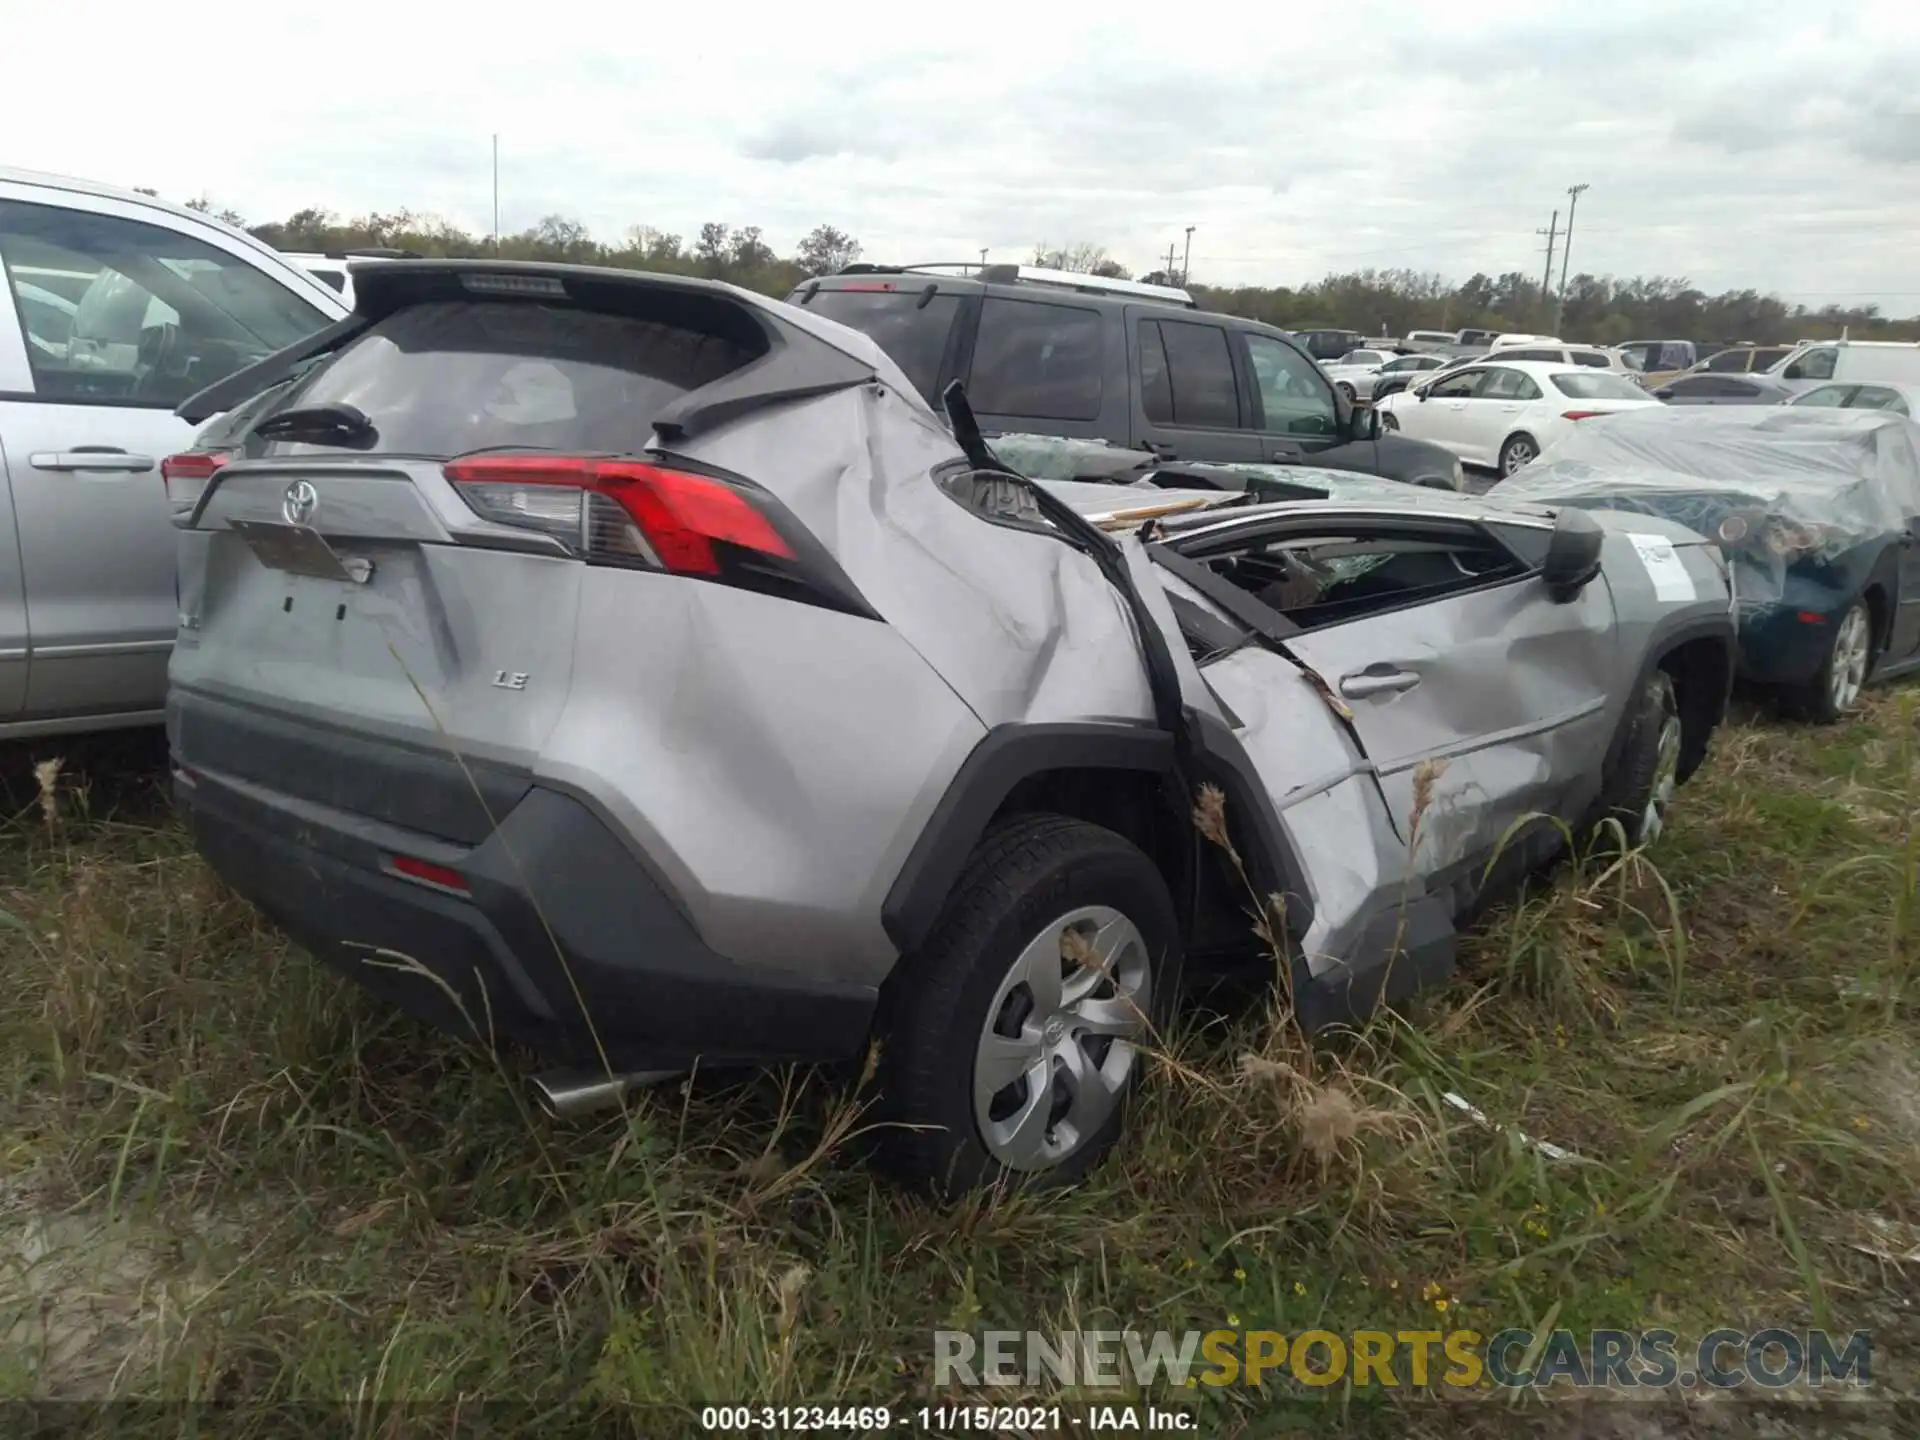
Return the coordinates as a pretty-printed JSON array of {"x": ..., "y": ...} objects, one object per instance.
[{"x": 1665, "y": 568}]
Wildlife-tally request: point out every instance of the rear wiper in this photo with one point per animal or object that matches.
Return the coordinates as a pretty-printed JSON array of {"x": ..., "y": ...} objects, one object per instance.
[{"x": 335, "y": 423}]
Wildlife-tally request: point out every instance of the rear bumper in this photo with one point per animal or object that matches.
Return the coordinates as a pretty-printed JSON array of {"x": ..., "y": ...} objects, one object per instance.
[
  {"x": 560, "y": 923},
  {"x": 1779, "y": 647}
]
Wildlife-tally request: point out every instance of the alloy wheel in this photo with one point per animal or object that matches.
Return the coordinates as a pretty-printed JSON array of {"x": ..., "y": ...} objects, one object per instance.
[
  {"x": 1852, "y": 649},
  {"x": 1666, "y": 779},
  {"x": 1517, "y": 453}
]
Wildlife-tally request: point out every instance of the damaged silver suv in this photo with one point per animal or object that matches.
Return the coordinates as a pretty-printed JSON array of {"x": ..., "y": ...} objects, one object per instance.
[{"x": 639, "y": 670}]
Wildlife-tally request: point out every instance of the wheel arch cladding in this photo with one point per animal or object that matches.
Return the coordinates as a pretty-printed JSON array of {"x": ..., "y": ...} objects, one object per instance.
[
  {"x": 1112, "y": 775},
  {"x": 1877, "y": 592},
  {"x": 1006, "y": 759},
  {"x": 1686, "y": 640},
  {"x": 1701, "y": 669}
]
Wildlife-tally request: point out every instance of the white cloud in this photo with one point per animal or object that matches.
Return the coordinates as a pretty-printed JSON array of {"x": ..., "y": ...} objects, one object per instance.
[{"x": 1759, "y": 143}]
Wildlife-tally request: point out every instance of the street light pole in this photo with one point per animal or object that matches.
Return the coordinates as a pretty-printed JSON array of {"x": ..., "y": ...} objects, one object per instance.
[
  {"x": 496, "y": 194},
  {"x": 1574, "y": 192},
  {"x": 1186, "y": 262}
]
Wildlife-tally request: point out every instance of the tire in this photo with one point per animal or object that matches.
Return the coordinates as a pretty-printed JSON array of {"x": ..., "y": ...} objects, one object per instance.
[
  {"x": 1836, "y": 687},
  {"x": 971, "y": 987},
  {"x": 1640, "y": 791},
  {"x": 1519, "y": 450},
  {"x": 1389, "y": 421},
  {"x": 1345, "y": 389}
]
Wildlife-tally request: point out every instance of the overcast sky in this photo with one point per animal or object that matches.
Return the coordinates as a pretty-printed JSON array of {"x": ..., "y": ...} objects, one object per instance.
[{"x": 1735, "y": 142}]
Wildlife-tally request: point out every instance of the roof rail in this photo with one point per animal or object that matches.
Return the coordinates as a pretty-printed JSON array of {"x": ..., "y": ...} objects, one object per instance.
[
  {"x": 1004, "y": 274},
  {"x": 1091, "y": 284}
]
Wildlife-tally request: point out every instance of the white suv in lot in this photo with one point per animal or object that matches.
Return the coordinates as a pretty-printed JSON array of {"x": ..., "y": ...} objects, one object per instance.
[
  {"x": 114, "y": 308},
  {"x": 1816, "y": 362},
  {"x": 1555, "y": 352}
]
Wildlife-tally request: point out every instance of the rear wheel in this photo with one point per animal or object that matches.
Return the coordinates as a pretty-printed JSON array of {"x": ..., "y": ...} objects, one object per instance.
[
  {"x": 1648, "y": 770},
  {"x": 1519, "y": 450},
  {"x": 1389, "y": 421},
  {"x": 1011, "y": 1042},
  {"x": 1843, "y": 674}
]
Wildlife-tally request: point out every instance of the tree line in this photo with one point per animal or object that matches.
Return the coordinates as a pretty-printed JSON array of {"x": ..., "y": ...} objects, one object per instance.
[{"x": 1599, "y": 309}]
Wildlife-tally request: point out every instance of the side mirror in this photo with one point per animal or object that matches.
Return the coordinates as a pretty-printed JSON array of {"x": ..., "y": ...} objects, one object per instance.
[{"x": 1573, "y": 554}]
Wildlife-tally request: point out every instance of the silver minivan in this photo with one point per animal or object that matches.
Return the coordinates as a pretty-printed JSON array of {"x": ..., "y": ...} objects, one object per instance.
[{"x": 116, "y": 306}]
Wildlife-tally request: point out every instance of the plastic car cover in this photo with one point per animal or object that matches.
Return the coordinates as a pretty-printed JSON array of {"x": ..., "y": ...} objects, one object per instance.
[{"x": 1774, "y": 486}]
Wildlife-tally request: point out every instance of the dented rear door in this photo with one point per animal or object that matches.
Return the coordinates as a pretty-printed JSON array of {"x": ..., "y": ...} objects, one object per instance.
[{"x": 1477, "y": 710}]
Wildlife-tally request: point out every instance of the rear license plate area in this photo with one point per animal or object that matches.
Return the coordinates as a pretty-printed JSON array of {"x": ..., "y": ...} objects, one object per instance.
[{"x": 300, "y": 550}]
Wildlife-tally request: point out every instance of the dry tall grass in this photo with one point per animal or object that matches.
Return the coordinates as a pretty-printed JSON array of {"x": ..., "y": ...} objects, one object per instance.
[{"x": 229, "y": 1177}]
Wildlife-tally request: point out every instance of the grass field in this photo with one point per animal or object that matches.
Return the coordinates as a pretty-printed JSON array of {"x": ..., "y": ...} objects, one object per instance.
[{"x": 228, "y": 1177}]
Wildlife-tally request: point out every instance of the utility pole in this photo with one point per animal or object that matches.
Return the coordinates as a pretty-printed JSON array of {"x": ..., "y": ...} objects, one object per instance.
[
  {"x": 1169, "y": 260},
  {"x": 496, "y": 194},
  {"x": 1574, "y": 192},
  {"x": 1552, "y": 233},
  {"x": 1186, "y": 263}
]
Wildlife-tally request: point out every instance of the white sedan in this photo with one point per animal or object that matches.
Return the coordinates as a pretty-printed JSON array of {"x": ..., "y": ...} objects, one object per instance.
[
  {"x": 1352, "y": 366},
  {"x": 1503, "y": 414}
]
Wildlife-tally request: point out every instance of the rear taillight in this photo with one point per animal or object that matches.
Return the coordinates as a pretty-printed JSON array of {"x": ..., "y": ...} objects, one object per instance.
[
  {"x": 186, "y": 475},
  {"x": 640, "y": 515},
  {"x": 1581, "y": 414}
]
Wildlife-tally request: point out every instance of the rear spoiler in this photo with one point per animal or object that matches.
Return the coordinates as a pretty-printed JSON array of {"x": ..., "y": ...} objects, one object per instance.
[{"x": 794, "y": 363}]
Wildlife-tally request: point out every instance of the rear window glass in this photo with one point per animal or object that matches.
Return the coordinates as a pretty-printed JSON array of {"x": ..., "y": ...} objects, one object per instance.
[
  {"x": 1596, "y": 385},
  {"x": 913, "y": 335},
  {"x": 1037, "y": 360},
  {"x": 1878, "y": 397},
  {"x": 446, "y": 378}
]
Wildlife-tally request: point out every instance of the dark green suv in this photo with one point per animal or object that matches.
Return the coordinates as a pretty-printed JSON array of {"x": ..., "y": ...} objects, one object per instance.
[{"x": 1119, "y": 361}]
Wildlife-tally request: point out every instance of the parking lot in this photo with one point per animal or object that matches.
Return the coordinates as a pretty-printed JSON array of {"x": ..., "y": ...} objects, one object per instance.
[{"x": 705, "y": 836}]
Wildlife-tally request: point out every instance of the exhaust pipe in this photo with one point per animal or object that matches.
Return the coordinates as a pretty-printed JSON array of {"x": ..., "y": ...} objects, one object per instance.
[{"x": 564, "y": 1094}]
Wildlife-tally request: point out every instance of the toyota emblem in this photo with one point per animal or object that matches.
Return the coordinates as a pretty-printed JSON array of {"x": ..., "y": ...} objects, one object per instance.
[{"x": 302, "y": 500}]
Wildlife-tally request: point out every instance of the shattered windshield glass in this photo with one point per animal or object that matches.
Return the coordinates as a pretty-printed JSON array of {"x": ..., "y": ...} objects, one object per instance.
[{"x": 1056, "y": 457}]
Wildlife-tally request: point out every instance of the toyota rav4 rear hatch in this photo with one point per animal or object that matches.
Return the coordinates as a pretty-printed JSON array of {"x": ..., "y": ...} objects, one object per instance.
[{"x": 394, "y": 548}]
